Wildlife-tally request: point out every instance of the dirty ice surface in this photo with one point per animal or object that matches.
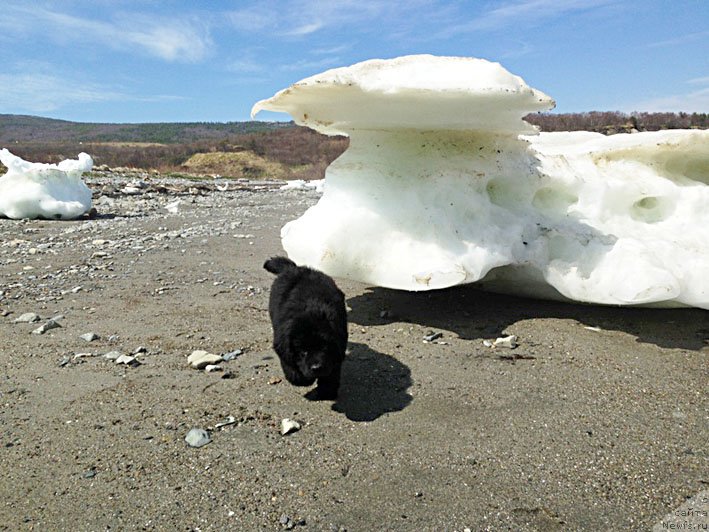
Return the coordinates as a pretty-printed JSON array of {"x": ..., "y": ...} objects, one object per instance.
[
  {"x": 443, "y": 183},
  {"x": 38, "y": 190}
]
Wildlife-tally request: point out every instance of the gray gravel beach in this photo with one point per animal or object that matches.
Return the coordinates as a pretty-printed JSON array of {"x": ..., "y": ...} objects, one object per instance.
[{"x": 596, "y": 420}]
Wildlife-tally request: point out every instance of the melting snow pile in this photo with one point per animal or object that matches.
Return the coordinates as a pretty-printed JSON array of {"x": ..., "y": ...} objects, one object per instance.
[
  {"x": 444, "y": 183},
  {"x": 38, "y": 190}
]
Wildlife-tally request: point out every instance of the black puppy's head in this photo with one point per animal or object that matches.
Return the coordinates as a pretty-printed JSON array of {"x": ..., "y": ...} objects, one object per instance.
[{"x": 312, "y": 352}]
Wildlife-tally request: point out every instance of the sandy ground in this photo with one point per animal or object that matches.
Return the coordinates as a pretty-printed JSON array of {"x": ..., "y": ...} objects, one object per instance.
[{"x": 597, "y": 421}]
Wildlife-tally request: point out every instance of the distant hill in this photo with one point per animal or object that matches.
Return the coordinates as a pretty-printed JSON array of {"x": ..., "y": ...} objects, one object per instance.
[
  {"x": 280, "y": 150},
  {"x": 22, "y": 128}
]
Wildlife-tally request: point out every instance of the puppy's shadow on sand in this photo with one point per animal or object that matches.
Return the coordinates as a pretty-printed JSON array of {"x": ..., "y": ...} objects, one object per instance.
[{"x": 372, "y": 384}]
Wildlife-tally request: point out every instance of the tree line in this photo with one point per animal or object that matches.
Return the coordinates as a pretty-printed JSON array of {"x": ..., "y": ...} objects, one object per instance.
[{"x": 610, "y": 122}]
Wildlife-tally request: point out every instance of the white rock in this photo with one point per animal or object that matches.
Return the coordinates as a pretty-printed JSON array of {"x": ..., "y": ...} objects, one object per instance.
[
  {"x": 197, "y": 438},
  {"x": 128, "y": 360},
  {"x": 288, "y": 426},
  {"x": 209, "y": 368},
  {"x": 443, "y": 183},
  {"x": 200, "y": 359},
  {"x": 231, "y": 355},
  {"x": 231, "y": 420},
  {"x": 38, "y": 190},
  {"x": 90, "y": 336},
  {"x": 112, "y": 355},
  {"x": 27, "y": 317},
  {"x": 49, "y": 325}
]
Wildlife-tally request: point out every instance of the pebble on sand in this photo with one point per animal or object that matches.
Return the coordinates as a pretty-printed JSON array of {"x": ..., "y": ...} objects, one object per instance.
[
  {"x": 288, "y": 426},
  {"x": 128, "y": 360},
  {"x": 201, "y": 359},
  {"x": 90, "y": 336},
  {"x": 51, "y": 324},
  {"x": 197, "y": 438},
  {"x": 231, "y": 355},
  {"x": 509, "y": 341},
  {"x": 28, "y": 317}
]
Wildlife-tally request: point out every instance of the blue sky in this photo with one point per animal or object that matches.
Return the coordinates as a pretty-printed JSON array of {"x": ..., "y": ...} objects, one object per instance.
[{"x": 179, "y": 61}]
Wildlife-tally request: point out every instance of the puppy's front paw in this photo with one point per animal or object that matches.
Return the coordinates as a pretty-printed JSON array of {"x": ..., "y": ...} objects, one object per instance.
[{"x": 324, "y": 391}]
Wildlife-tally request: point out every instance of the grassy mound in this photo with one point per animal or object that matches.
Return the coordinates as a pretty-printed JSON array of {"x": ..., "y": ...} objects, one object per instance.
[{"x": 237, "y": 164}]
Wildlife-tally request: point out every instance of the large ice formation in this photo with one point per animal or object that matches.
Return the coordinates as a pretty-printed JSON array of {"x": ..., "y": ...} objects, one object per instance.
[
  {"x": 444, "y": 183},
  {"x": 39, "y": 190}
]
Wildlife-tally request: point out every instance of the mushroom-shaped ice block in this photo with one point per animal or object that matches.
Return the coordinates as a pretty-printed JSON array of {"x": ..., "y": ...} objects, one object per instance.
[
  {"x": 444, "y": 183},
  {"x": 39, "y": 190}
]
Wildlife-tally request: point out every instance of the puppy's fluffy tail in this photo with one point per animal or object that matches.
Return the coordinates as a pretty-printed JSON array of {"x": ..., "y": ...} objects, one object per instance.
[{"x": 277, "y": 265}]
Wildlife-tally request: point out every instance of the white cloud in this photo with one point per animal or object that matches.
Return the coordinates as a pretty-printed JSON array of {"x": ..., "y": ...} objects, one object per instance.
[
  {"x": 305, "y": 29},
  {"x": 682, "y": 39},
  {"x": 521, "y": 11},
  {"x": 39, "y": 91},
  {"x": 300, "y": 18},
  {"x": 699, "y": 81},
  {"x": 173, "y": 39},
  {"x": 693, "y": 101},
  {"x": 245, "y": 66},
  {"x": 316, "y": 65}
]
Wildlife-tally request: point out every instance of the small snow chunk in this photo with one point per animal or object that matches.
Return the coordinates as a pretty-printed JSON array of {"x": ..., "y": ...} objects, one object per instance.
[
  {"x": 197, "y": 438},
  {"x": 301, "y": 184},
  {"x": 90, "y": 336},
  {"x": 509, "y": 341},
  {"x": 37, "y": 190},
  {"x": 28, "y": 317},
  {"x": 288, "y": 426},
  {"x": 594, "y": 329},
  {"x": 112, "y": 355},
  {"x": 209, "y": 368},
  {"x": 200, "y": 359},
  {"x": 173, "y": 207}
]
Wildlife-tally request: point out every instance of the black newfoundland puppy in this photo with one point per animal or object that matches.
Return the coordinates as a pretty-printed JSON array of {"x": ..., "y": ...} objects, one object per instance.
[{"x": 309, "y": 326}]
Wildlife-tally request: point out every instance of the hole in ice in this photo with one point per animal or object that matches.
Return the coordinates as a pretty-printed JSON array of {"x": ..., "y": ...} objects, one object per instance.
[
  {"x": 506, "y": 194},
  {"x": 553, "y": 200},
  {"x": 651, "y": 209}
]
